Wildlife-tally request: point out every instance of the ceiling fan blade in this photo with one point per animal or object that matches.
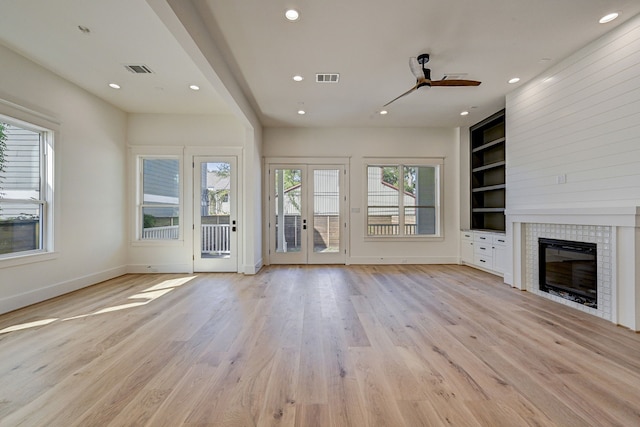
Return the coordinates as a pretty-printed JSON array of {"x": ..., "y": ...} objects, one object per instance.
[
  {"x": 416, "y": 68},
  {"x": 455, "y": 83},
  {"x": 404, "y": 94}
]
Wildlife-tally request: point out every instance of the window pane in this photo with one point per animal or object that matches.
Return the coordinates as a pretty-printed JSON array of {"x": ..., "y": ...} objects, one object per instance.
[
  {"x": 160, "y": 199},
  {"x": 20, "y": 175},
  {"x": 20, "y": 227},
  {"x": 383, "y": 221},
  {"x": 21, "y": 221},
  {"x": 161, "y": 181},
  {"x": 420, "y": 200},
  {"x": 160, "y": 223},
  {"x": 382, "y": 200}
]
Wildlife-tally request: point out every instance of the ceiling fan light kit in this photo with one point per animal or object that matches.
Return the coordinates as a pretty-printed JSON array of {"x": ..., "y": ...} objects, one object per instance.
[{"x": 423, "y": 77}]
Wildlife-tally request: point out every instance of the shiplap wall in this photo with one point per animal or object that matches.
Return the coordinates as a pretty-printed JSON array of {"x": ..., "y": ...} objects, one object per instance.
[{"x": 581, "y": 120}]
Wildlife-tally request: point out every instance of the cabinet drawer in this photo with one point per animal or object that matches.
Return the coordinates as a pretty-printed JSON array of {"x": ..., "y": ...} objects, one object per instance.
[
  {"x": 499, "y": 240},
  {"x": 482, "y": 249},
  {"x": 483, "y": 261},
  {"x": 483, "y": 237}
]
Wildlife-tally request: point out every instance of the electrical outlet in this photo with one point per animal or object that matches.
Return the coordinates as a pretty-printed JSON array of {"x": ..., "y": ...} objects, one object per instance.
[{"x": 561, "y": 179}]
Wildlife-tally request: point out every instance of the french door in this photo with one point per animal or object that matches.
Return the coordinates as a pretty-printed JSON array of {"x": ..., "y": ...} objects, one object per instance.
[
  {"x": 306, "y": 214},
  {"x": 215, "y": 223}
]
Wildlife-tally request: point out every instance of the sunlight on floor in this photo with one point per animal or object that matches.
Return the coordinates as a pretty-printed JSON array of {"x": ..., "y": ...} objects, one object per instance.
[
  {"x": 149, "y": 294},
  {"x": 27, "y": 325}
]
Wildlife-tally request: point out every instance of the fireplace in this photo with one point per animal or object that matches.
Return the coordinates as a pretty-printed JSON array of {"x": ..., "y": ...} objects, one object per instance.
[{"x": 568, "y": 269}]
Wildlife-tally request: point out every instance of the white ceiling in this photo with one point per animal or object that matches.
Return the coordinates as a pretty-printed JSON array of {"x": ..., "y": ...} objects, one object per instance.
[{"x": 368, "y": 42}]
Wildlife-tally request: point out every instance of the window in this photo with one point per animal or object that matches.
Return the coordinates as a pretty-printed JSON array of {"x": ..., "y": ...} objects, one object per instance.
[
  {"x": 159, "y": 199},
  {"x": 25, "y": 188},
  {"x": 403, "y": 199}
]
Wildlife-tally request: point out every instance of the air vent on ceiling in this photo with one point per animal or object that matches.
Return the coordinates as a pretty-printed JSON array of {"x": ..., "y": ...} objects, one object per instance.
[
  {"x": 138, "y": 69},
  {"x": 327, "y": 78}
]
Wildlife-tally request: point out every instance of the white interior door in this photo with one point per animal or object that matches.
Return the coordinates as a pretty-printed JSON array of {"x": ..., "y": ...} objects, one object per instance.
[
  {"x": 215, "y": 222},
  {"x": 306, "y": 210}
]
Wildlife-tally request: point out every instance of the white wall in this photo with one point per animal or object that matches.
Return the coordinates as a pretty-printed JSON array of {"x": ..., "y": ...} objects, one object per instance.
[
  {"x": 580, "y": 119},
  {"x": 580, "y": 122},
  {"x": 185, "y": 135},
  {"x": 90, "y": 196},
  {"x": 195, "y": 29},
  {"x": 358, "y": 143}
]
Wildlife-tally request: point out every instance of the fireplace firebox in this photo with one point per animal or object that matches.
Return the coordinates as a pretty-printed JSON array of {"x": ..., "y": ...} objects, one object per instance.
[{"x": 569, "y": 270}]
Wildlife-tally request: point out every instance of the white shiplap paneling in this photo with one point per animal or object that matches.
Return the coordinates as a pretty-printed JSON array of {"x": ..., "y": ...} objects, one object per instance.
[{"x": 581, "y": 120}]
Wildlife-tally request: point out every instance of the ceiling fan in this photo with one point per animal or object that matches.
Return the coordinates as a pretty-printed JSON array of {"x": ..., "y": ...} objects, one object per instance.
[{"x": 423, "y": 77}]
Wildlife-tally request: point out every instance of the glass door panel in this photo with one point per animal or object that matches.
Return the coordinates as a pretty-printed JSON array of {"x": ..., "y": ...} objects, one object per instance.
[
  {"x": 326, "y": 206},
  {"x": 288, "y": 219}
]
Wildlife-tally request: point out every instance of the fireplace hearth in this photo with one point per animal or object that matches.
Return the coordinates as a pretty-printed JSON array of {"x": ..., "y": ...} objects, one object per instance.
[{"x": 568, "y": 269}]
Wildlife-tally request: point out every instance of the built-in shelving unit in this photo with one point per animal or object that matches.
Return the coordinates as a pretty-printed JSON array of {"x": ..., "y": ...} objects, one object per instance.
[{"x": 488, "y": 185}]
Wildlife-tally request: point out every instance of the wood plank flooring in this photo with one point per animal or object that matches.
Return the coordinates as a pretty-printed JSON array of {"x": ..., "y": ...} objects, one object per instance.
[{"x": 315, "y": 346}]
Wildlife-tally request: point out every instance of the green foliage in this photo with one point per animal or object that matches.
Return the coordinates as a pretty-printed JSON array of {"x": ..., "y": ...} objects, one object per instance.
[
  {"x": 149, "y": 221},
  {"x": 292, "y": 178},
  {"x": 390, "y": 175}
]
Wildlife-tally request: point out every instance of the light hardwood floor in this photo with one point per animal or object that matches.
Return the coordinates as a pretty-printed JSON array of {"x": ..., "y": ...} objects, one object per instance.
[{"x": 307, "y": 346}]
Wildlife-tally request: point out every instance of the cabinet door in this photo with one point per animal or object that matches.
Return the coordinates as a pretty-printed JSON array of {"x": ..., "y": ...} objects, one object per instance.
[
  {"x": 499, "y": 258},
  {"x": 466, "y": 251}
]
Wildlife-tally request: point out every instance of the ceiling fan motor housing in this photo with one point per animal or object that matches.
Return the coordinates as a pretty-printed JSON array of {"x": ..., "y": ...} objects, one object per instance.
[{"x": 427, "y": 76}]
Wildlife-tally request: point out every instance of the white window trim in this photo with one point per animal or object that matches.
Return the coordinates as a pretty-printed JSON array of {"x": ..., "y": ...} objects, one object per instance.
[
  {"x": 138, "y": 153},
  {"x": 49, "y": 127},
  {"x": 437, "y": 162}
]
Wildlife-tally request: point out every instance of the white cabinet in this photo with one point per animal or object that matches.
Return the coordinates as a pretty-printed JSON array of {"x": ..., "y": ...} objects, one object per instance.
[
  {"x": 466, "y": 247},
  {"x": 484, "y": 250},
  {"x": 499, "y": 248}
]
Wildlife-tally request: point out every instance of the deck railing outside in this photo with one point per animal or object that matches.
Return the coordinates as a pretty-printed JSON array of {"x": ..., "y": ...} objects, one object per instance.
[{"x": 215, "y": 237}]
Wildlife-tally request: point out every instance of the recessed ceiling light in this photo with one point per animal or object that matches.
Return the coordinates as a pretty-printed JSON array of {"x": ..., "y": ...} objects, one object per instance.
[
  {"x": 384, "y": 112},
  {"x": 292, "y": 15},
  {"x": 302, "y": 112},
  {"x": 514, "y": 80},
  {"x": 464, "y": 113},
  {"x": 194, "y": 87},
  {"x": 608, "y": 18},
  {"x": 114, "y": 85},
  {"x": 298, "y": 78}
]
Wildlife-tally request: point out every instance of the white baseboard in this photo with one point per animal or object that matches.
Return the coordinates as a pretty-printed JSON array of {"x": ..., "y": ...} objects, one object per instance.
[
  {"x": 159, "y": 268},
  {"x": 38, "y": 295},
  {"x": 508, "y": 279},
  {"x": 252, "y": 269},
  {"x": 403, "y": 260}
]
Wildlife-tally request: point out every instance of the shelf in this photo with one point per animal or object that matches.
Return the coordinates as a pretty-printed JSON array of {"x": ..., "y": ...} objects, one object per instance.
[
  {"x": 490, "y": 188},
  {"x": 489, "y": 145},
  {"x": 487, "y": 149},
  {"x": 487, "y": 167},
  {"x": 487, "y": 210}
]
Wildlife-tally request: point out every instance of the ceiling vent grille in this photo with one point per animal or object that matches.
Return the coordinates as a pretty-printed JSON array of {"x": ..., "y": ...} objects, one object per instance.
[
  {"x": 327, "y": 78},
  {"x": 138, "y": 69}
]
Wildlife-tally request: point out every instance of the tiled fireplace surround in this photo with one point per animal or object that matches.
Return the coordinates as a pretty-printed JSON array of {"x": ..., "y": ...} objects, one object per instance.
[{"x": 615, "y": 231}]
